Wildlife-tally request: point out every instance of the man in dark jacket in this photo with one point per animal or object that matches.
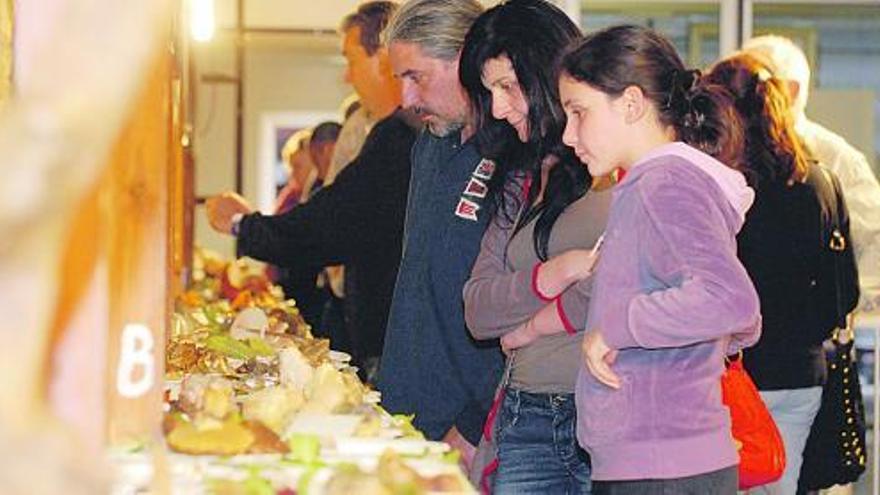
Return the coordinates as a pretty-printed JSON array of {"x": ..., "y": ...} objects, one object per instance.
[{"x": 358, "y": 219}]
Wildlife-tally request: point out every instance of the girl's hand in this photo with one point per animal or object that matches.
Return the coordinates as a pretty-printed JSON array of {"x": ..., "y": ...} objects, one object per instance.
[{"x": 599, "y": 358}]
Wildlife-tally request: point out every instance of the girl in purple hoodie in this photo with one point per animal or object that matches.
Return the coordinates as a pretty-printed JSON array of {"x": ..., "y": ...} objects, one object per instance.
[{"x": 670, "y": 297}]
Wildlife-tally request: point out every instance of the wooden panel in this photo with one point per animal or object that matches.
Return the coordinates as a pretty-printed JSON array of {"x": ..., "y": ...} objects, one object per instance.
[
  {"x": 180, "y": 186},
  {"x": 135, "y": 211}
]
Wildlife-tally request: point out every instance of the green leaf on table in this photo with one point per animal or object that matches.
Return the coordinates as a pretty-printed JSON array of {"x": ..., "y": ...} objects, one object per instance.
[
  {"x": 229, "y": 347},
  {"x": 405, "y": 423},
  {"x": 452, "y": 457},
  {"x": 304, "y": 448},
  {"x": 256, "y": 485},
  {"x": 260, "y": 347}
]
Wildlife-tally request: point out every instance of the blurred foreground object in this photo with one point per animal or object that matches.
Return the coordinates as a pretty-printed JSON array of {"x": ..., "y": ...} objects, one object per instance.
[{"x": 77, "y": 77}]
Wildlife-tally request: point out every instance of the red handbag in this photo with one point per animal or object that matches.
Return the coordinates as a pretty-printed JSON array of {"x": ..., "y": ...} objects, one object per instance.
[{"x": 762, "y": 454}]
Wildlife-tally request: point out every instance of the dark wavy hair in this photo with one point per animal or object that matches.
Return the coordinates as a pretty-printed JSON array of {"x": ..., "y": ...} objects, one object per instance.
[
  {"x": 532, "y": 34},
  {"x": 773, "y": 152},
  {"x": 701, "y": 113}
]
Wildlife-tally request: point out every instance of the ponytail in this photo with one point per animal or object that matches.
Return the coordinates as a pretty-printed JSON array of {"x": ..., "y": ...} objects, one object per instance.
[{"x": 704, "y": 116}]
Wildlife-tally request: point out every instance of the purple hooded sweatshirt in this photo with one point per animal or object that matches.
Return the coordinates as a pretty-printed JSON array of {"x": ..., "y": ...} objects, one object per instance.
[{"x": 672, "y": 297}]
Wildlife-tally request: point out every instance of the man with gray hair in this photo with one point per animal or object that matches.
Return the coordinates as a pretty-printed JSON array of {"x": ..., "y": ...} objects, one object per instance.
[
  {"x": 424, "y": 40},
  {"x": 861, "y": 190},
  {"x": 430, "y": 365}
]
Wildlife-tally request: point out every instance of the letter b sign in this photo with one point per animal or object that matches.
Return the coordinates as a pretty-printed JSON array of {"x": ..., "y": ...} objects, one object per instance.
[{"x": 137, "y": 364}]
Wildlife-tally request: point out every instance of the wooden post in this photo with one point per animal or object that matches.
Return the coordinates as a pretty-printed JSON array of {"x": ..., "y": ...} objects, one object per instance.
[
  {"x": 180, "y": 178},
  {"x": 136, "y": 213},
  {"x": 120, "y": 266}
]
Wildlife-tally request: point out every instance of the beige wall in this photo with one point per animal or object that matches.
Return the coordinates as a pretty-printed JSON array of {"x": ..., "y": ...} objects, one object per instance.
[
  {"x": 213, "y": 135},
  {"x": 281, "y": 78},
  {"x": 299, "y": 14},
  {"x": 849, "y": 113}
]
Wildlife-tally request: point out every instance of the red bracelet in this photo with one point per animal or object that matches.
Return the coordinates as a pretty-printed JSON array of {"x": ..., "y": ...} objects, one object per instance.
[
  {"x": 566, "y": 323},
  {"x": 535, "y": 289}
]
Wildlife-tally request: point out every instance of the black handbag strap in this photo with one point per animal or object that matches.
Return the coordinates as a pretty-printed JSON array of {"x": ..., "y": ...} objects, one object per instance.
[{"x": 837, "y": 244}]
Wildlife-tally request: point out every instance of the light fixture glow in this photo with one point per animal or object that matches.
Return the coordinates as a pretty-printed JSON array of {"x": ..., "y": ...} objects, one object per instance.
[{"x": 202, "y": 19}]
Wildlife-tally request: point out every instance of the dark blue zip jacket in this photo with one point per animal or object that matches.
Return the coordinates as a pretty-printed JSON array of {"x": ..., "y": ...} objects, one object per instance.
[{"x": 431, "y": 366}]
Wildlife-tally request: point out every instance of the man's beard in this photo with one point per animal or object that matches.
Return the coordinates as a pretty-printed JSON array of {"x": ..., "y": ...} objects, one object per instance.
[
  {"x": 438, "y": 126},
  {"x": 444, "y": 128}
]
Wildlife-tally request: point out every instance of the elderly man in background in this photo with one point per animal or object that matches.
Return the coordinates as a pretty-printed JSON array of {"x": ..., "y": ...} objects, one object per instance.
[{"x": 861, "y": 190}]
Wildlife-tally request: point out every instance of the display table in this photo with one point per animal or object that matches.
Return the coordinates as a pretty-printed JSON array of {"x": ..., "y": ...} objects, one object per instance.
[
  {"x": 254, "y": 403},
  {"x": 335, "y": 472}
]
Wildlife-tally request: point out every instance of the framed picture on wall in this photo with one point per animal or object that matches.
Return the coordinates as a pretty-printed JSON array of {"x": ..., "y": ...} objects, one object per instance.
[{"x": 275, "y": 129}]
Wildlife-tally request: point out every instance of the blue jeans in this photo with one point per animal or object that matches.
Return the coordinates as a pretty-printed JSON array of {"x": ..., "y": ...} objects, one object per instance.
[
  {"x": 793, "y": 410},
  {"x": 537, "y": 448}
]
